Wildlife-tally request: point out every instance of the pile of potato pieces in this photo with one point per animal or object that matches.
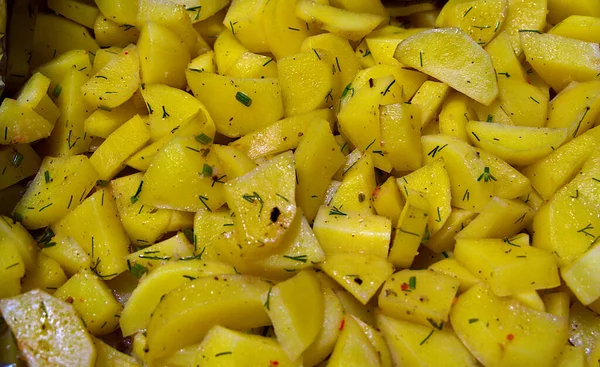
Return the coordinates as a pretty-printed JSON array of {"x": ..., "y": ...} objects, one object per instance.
[{"x": 302, "y": 182}]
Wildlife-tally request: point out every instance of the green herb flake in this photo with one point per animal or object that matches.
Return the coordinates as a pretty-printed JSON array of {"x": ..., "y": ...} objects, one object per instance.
[
  {"x": 412, "y": 283},
  {"x": 243, "y": 99},
  {"x": 203, "y": 139},
  {"x": 207, "y": 170},
  {"x": 135, "y": 197},
  {"x": 16, "y": 159},
  {"x": 136, "y": 270},
  {"x": 56, "y": 91},
  {"x": 47, "y": 176}
]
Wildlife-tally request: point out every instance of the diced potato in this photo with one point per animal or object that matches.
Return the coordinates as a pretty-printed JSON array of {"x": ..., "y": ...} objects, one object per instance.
[
  {"x": 510, "y": 183},
  {"x": 347, "y": 24},
  {"x": 119, "y": 12},
  {"x": 559, "y": 60},
  {"x": 572, "y": 357},
  {"x": 559, "y": 10},
  {"x": 500, "y": 218},
  {"x": 339, "y": 231},
  {"x": 557, "y": 303},
  {"x": 140, "y": 221},
  {"x": 339, "y": 49},
  {"x": 12, "y": 269},
  {"x": 296, "y": 316},
  {"x": 501, "y": 331},
  {"x": 264, "y": 204},
  {"x": 108, "y": 356},
  {"x": 284, "y": 32},
  {"x": 517, "y": 145},
  {"x": 420, "y": 296},
  {"x": 21, "y": 124},
  {"x": 181, "y": 177},
  {"x": 281, "y": 135},
  {"x": 443, "y": 240},
  {"x": 437, "y": 53},
  {"x": 148, "y": 293},
  {"x": 524, "y": 15},
  {"x": 53, "y": 194},
  {"x": 353, "y": 347},
  {"x": 185, "y": 315},
  {"x": 47, "y": 329},
  {"x": 450, "y": 266},
  {"x": 506, "y": 266},
  {"x": 530, "y": 299},
  {"x": 237, "y": 105},
  {"x": 565, "y": 224},
  {"x": 46, "y": 275},
  {"x": 481, "y": 20},
  {"x": 102, "y": 123},
  {"x": 555, "y": 170},
  {"x": 17, "y": 162},
  {"x": 109, "y": 33},
  {"x": 116, "y": 82},
  {"x": 417, "y": 345},
  {"x": 251, "y": 65},
  {"x": 388, "y": 201},
  {"x": 317, "y": 159},
  {"x": 68, "y": 253},
  {"x": 55, "y": 35},
  {"x": 404, "y": 88},
  {"x": 575, "y": 107},
  {"x": 93, "y": 301},
  {"x": 234, "y": 162},
  {"x": 357, "y": 186},
  {"x": 401, "y": 135},
  {"x": 96, "y": 227},
  {"x": 333, "y": 316},
  {"x": 581, "y": 27},
  {"x": 35, "y": 95},
  {"x": 411, "y": 227},
  {"x": 245, "y": 18},
  {"x": 430, "y": 97},
  {"x": 234, "y": 348},
  {"x": 78, "y": 11},
  {"x": 109, "y": 158},
  {"x": 14, "y": 232},
  {"x": 455, "y": 113},
  {"x": 470, "y": 188},
  {"x": 163, "y": 56},
  {"x": 205, "y": 62},
  {"x": 581, "y": 277},
  {"x": 359, "y": 274},
  {"x": 307, "y": 82}
]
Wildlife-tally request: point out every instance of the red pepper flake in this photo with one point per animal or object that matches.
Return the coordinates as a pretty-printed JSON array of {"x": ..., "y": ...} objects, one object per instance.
[
  {"x": 376, "y": 192},
  {"x": 69, "y": 299},
  {"x": 126, "y": 52},
  {"x": 404, "y": 286},
  {"x": 342, "y": 324},
  {"x": 273, "y": 363},
  {"x": 510, "y": 337}
]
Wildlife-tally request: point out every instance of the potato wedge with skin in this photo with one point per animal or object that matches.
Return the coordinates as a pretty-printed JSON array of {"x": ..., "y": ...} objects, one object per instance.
[
  {"x": 516, "y": 145},
  {"x": 417, "y": 345},
  {"x": 502, "y": 332},
  {"x": 437, "y": 53},
  {"x": 146, "y": 296},
  {"x": 264, "y": 204},
  {"x": 560, "y": 60},
  {"x": 237, "y": 105},
  {"x": 186, "y": 314},
  {"x": 40, "y": 323},
  {"x": 347, "y": 24}
]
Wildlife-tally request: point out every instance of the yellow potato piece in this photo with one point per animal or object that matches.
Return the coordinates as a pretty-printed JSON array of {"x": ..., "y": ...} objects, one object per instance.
[{"x": 452, "y": 57}]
